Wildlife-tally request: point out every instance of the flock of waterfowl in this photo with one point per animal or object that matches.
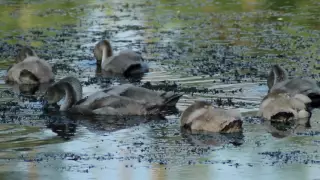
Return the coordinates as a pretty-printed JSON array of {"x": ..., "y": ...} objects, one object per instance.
[{"x": 287, "y": 99}]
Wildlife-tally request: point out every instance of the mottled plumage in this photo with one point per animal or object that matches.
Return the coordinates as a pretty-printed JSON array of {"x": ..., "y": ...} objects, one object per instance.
[
  {"x": 201, "y": 116},
  {"x": 281, "y": 106},
  {"x": 288, "y": 99}
]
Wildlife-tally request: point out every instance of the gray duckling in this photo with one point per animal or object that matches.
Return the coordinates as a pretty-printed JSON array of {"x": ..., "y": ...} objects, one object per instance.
[
  {"x": 202, "y": 116},
  {"x": 100, "y": 103},
  {"x": 144, "y": 95},
  {"x": 127, "y": 63},
  {"x": 278, "y": 81},
  {"x": 288, "y": 99},
  {"x": 282, "y": 106},
  {"x": 29, "y": 69}
]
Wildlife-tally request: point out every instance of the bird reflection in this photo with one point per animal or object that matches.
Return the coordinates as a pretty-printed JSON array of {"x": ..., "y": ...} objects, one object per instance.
[
  {"x": 284, "y": 129},
  {"x": 60, "y": 124},
  {"x": 214, "y": 139},
  {"x": 65, "y": 124}
]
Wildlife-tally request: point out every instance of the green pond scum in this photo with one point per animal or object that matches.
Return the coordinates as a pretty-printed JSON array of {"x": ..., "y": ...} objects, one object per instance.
[{"x": 214, "y": 50}]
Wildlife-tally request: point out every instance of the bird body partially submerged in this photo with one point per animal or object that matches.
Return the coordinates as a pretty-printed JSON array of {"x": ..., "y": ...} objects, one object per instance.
[
  {"x": 127, "y": 62},
  {"x": 201, "y": 116},
  {"x": 29, "y": 69},
  {"x": 109, "y": 102},
  {"x": 288, "y": 98}
]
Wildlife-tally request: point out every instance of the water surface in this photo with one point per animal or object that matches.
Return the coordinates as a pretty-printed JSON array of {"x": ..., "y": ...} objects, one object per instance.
[{"x": 206, "y": 49}]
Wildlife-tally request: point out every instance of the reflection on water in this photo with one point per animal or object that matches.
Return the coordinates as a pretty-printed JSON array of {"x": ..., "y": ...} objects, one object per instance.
[{"x": 217, "y": 51}]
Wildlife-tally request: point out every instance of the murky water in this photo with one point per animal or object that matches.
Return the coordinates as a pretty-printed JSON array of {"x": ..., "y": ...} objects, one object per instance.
[{"x": 207, "y": 49}]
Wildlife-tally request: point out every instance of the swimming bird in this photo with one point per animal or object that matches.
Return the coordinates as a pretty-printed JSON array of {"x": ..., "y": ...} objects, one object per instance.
[
  {"x": 103, "y": 103},
  {"x": 278, "y": 81},
  {"x": 127, "y": 62},
  {"x": 202, "y": 116},
  {"x": 29, "y": 69},
  {"x": 288, "y": 99},
  {"x": 282, "y": 106}
]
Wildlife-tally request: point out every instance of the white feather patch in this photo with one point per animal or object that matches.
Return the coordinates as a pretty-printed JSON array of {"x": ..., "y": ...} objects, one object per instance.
[
  {"x": 302, "y": 98},
  {"x": 196, "y": 114}
]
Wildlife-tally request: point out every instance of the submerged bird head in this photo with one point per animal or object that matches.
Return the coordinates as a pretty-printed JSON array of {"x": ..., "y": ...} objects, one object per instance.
[
  {"x": 282, "y": 106},
  {"x": 69, "y": 88},
  {"x": 54, "y": 94},
  {"x": 27, "y": 77},
  {"x": 100, "y": 48}
]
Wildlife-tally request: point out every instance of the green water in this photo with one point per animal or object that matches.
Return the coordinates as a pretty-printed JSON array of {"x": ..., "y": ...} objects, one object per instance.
[{"x": 186, "y": 42}]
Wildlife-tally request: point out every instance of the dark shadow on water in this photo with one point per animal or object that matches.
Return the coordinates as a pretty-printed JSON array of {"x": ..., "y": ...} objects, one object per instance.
[
  {"x": 131, "y": 78},
  {"x": 64, "y": 129},
  {"x": 162, "y": 85},
  {"x": 315, "y": 100},
  {"x": 105, "y": 81},
  {"x": 284, "y": 129},
  {"x": 213, "y": 139},
  {"x": 65, "y": 124}
]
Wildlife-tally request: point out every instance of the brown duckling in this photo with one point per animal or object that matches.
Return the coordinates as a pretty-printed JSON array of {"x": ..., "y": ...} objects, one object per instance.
[
  {"x": 127, "y": 62},
  {"x": 97, "y": 103},
  {"x": 201, "y": 116},
  {"x": 30, "y": 69}
]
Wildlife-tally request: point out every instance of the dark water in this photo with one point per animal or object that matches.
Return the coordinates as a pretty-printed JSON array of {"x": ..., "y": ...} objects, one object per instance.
[{"x": 204, "y": 49}]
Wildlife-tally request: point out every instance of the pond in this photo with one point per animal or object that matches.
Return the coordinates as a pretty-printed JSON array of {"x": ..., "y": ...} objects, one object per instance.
[{"x": 214, "y": 50}]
